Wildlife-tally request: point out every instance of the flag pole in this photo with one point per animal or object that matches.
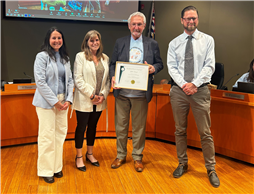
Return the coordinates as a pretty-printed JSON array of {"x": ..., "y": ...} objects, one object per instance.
[{"x": 151, "y": 31}]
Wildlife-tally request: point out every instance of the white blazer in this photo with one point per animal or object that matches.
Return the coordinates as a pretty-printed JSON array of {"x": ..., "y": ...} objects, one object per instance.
[{"x": 85, "y": 83}]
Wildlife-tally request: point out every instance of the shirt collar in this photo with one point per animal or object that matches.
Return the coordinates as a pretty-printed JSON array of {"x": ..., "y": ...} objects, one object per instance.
[
  {"x": 194, "y": 35},
  {"x": 57, "y": 54},
  {"x": 138, "y": 40}
]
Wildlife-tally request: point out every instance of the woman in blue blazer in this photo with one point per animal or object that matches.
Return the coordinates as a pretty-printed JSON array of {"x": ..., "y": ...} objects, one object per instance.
[{"x": 52, "y": 98}]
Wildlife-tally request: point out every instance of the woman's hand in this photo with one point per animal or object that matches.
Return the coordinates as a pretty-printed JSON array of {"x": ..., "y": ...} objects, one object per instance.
[
  {"x": 59, "y": 105},
  {"x": 99, "y": 101},
  {"x": 96, "y": 98},
  {"x": 65, "y": 105}
]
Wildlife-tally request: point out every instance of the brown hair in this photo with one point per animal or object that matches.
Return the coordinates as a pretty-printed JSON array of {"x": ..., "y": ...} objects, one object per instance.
[
  {"x": 188, "y": 8},
  {"x": 85, "y": 47},
  {"x": 251, "y": 72},
  {"x": 47, "y": 48}
]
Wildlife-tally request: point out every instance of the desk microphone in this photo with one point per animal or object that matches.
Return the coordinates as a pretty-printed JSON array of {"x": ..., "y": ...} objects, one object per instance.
[
  {"x": 28, "y": 75},
  {"x": 231, "y": 78}
]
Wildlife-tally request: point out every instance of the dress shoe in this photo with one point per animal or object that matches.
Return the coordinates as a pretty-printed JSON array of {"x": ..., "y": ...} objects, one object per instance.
[
  {"x": 138, "y": 165},
  {"x": 213, "y": 178},
  {"x": 118, "y": 162},
  {"x": 49, "y": 179},
  {"x": 182, "y": 168},
  {"x": 83, "y": 168},
  {"x": 93, "y": 163},
  {"x": 58, "y": 174}
]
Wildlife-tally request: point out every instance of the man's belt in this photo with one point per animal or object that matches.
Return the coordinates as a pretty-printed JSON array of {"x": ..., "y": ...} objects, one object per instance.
[{"x": 174, "y": 84}]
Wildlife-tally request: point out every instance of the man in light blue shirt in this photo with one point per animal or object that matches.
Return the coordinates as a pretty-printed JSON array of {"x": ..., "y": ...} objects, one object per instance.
[
  {"x": 136, "y": 56},
  {"x": 191, "y": 69}
]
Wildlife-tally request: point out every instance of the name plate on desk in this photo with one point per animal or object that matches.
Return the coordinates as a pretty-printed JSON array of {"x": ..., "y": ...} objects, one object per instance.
[
  {"x": 236, "y": 96},
  {"x": 32, "y": 87}
]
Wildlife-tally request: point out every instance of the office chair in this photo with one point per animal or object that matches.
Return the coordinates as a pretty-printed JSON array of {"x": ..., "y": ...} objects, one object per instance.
[{"x": 218, "y": 76}]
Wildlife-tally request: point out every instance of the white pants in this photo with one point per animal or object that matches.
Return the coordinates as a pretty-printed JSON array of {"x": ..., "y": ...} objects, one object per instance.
[{"x": 52, "y": 133}]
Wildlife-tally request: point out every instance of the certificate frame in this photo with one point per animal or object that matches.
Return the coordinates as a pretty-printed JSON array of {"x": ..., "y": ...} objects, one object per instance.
[{"x": 131, "y": 75}]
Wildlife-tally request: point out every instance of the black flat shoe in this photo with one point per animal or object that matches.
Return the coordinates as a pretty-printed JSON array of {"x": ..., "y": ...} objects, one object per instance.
[
  {"x": 93, "y": 163},
  {"x": 58, "y": 174},
  {"x": 83, "y": 168},
  {"x": 49, "y": 179}
]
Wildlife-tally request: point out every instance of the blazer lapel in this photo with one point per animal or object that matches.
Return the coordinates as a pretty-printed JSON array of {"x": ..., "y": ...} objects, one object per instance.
[
  {"x": 104, "y": 63},
  {"x": 145, "y": 48},
  {"x": 55, "y": 68},
  {"x": 66, "y": 67},
  {"x": 127, "y": 48},
  {"x": 92, "y": 66}
]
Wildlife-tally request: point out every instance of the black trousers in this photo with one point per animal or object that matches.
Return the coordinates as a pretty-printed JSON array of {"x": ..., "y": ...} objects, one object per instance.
[{"x": 89, "y": 120}]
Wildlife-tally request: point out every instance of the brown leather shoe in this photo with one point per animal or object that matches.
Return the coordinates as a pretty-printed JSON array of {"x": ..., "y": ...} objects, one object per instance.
[
  {"x": 138, "y": 165},
  {"x": 118, "y": 162}
]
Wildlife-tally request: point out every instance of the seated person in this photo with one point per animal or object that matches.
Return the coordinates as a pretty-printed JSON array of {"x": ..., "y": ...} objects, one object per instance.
[
  {"x": 163, "y": 81},
  {"x": 247, "y": 77}
]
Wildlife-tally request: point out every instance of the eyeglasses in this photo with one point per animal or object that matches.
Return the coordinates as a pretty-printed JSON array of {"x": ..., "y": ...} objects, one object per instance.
[
  {"x": 138, "y": 24},
  {"x": 189, "y": 19}
]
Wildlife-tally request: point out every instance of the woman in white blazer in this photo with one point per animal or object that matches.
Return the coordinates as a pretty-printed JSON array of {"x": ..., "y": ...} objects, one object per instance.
[
  {"x": 92, "y": 86},
  {"x": 52, "y": 98}
]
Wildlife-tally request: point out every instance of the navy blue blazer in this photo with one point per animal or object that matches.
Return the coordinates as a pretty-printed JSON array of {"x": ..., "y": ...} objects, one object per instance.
[{"x": 151, "y": 56}]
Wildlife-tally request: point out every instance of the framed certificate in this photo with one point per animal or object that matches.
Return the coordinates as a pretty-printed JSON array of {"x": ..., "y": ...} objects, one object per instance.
[{"x": 131, "y": 75}]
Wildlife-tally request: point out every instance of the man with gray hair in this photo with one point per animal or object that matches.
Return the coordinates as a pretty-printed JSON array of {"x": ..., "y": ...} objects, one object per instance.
[{"x": 134, "y": 48}]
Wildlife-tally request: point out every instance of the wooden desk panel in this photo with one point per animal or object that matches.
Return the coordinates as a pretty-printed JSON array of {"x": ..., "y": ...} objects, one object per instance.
[
  {"x": 150, "y": 124},
  {"x": 165, "y": 124},
  {"x": 101, "y": 126},
  {"x": 232, "y": 121},
  {"x": 18, "y": 117},
  {"x": 19, "y": 121},
  {"x": 232, "y": 124},
  {"x": 151, "y": 114}
]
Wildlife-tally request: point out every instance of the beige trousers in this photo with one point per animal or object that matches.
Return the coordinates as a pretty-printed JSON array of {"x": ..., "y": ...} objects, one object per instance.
[
  {"x": 200, "y": 105},
  {"x": 52, "y": 132},
  {"x": 138, "y": 108}
]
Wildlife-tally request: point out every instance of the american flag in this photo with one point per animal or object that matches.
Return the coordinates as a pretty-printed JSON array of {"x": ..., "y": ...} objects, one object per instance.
[{"x": 151, "y": 32}]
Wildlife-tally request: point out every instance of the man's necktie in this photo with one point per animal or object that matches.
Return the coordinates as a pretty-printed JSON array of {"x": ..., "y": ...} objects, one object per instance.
[{"x": 189, "y": 61}]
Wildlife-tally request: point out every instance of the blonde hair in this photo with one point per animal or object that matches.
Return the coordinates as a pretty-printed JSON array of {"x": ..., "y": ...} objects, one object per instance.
[{"x": 85, "y": 47}]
